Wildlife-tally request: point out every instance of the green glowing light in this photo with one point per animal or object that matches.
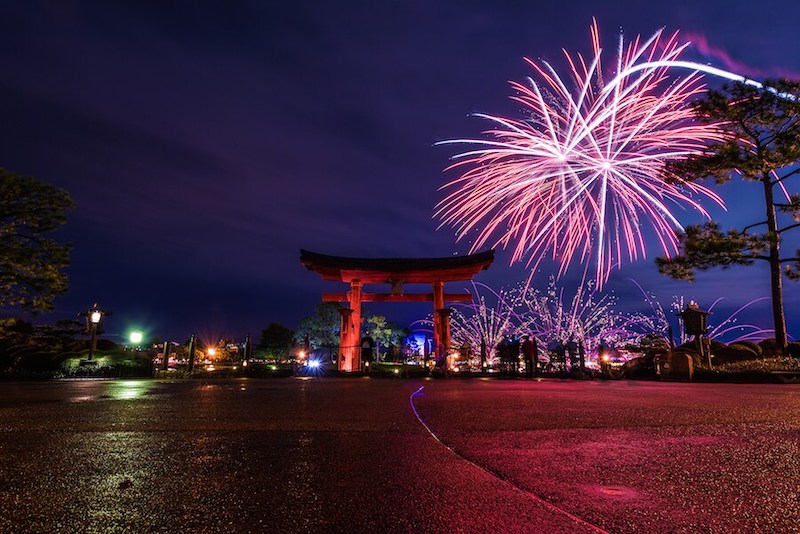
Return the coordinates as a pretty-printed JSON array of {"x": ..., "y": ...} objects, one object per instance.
[{"x": 129, "y": 389}]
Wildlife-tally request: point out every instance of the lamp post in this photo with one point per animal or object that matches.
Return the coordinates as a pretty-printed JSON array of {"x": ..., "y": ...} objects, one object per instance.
[
  {"x": 484, "y": 363},
  {"x": 694, "y": 323},
  {"x": 93, "y": 319},
  {"x": 136, "y": 339},
  {"x": 246, "y": 351},
  {"x": 192, "y": 343},
  {"x": 165, "y": 358}
]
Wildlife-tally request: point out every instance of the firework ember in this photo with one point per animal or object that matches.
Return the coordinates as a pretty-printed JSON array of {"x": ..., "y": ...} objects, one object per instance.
[{"x": 582, "y": 176}]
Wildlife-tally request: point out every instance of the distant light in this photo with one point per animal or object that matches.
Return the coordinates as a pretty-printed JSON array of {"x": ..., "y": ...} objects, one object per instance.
[
  {"x": 302, "y": 354},
  {"x": 136, "y": 337},
  {"x": 314, "y": 364},
  {"x": 212, "y": 351},
  {"x": 95, "y": 316},
  {"x": 273, "y": 367},
  {"x": 244, "y": 363},
  {"x": 397, "y": 371}
]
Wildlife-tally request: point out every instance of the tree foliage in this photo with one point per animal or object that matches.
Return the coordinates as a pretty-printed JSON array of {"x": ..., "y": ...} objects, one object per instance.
[
  {"x": 706, "y": 246},
  {"x": 31, "y": 264},
  {"x": 61, "y": 336},
  {"x": 384, "y": 332},
  {"x": 761, "y": 143},
  {"x": 322, "y": 328},
  {"x": 274, "y": 336}
]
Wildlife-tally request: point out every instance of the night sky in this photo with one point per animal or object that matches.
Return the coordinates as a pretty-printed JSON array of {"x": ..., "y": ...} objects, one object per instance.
[{"x": 206, "y": 143}]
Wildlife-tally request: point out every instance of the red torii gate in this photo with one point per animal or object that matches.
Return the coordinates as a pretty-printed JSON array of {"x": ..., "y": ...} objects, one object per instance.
[{"x": 395, "y": 271}]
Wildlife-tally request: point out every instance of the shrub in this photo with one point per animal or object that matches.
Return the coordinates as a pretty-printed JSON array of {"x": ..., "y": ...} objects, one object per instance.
[
  {"x": 717, "y": 345},
  {"x": 765, "y": 365},
  {"x": 755, "y": 347},
  {"x": 696, "y": 359},
  {"x": 641, "y": 367},
  {"x": 734, "y": 353},
  {"x": 769, "y": 348}
]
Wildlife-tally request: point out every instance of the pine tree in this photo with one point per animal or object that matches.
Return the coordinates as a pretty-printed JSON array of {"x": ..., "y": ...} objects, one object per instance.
[{"x": 761, "y": 144}]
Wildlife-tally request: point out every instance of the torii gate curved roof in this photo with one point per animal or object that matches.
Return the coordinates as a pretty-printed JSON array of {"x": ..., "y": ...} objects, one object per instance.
[{"x": 407, "y": 270}]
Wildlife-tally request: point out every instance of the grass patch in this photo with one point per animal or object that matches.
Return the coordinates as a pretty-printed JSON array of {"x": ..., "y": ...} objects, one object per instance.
[{"x": 396, "y": 369}]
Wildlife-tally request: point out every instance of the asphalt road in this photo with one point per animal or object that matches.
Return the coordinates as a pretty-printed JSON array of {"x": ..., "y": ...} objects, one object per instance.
[{"x": 351, "y": 455}]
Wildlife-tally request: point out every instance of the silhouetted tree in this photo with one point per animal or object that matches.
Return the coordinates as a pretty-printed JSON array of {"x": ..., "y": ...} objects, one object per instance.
[
  {"x": 61, "y": 336},
  {"x": 761, "y": 144},
  {"x": 322, "y": 328},
  {"x": 30, "y": 263},
  {"x": 275, "y": 335},
  {"x": 16, "y": 332}
]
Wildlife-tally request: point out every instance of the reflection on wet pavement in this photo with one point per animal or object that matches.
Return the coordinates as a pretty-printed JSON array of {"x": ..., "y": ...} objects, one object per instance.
[{"x": 322, "y": 455}]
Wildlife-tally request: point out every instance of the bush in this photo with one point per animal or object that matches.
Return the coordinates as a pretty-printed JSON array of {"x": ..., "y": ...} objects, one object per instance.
[
  {"x": 769, "y": 348},
  {"x": 697, "y": 361},
  {"x": 765, "y": 365},
  {"x": 716, "y": 345},
  {"x": 755, "y": 347},
  {"x": 36, "y": 363},
  {"x": 641, "y": 367},
  {"x": 753, "y": 371},
  {"x": 734, "y": 353},
  {"x": 109, "y": 365}
]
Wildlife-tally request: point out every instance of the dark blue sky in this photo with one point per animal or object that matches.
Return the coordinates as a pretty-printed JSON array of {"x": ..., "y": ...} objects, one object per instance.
[{"x": 205, "y": 143}]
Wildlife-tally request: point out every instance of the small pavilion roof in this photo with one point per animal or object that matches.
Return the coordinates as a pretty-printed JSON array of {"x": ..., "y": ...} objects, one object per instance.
[{"x": 407, "y": 270}]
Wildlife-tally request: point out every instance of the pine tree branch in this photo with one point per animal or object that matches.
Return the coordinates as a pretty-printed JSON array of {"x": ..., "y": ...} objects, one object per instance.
[
  {"x": 795, "y": 225},
  {"x": 746, "y": 228},
  {"x": 785, "y": 176}
]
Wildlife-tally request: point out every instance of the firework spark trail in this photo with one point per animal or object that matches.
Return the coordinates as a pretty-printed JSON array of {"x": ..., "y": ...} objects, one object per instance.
[
  {"x": 585, "y": 173},
  {"x": 728, "y": 326},
  {"x": 588, "y": 317},
  {"x": 481, "y": 323}
]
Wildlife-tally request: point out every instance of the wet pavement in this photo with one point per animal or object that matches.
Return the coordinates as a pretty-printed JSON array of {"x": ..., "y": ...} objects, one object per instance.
[{"x": 356, "y": 455}]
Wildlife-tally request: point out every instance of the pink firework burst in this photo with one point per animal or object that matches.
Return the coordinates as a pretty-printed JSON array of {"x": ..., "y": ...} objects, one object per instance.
[{"x": 582, "y": 175}]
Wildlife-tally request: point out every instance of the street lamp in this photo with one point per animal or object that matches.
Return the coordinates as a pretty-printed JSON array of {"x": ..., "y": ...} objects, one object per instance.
[
  {"x": 136, "y": 338},
  {"x": 93, "y": 319},
  {"x": 695, "y": 323}
]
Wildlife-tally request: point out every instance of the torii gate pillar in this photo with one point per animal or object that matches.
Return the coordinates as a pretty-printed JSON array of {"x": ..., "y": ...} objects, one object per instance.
[
  {"x": 438, "y": 330},
  {"x": 443, "y": 343},
  {"x": 350, "y": 338},
  {"x": 345, "y": 335}
]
